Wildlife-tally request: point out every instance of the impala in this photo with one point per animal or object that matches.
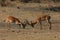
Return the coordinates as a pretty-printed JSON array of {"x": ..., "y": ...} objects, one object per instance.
[
  {"x": 11, "y": 19},
  {"x": 40, "y": 19}
]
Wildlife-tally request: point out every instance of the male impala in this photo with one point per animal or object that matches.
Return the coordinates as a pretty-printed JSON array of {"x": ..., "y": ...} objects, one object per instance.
[
  {"x": 40, "y": 19},
  {"x": 24, "y": 23},
  {"x": 11, "y": 19}
]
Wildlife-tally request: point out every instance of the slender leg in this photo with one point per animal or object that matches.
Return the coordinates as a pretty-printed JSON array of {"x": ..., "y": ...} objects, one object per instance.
[
  {"x": 32, "y": 25},
  {"x": 9, "y": 26},
  {"x": 49, "y": 24},
  {"x": 40, "y": 24}
]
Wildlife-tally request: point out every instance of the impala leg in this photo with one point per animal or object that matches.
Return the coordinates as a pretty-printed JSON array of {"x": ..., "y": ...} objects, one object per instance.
[
  {"x": 9, "y": 26},
  {"x": 40, "y": 24},
  {"x": 49, "y": 24},
  {"x": 32, "y": 25}
]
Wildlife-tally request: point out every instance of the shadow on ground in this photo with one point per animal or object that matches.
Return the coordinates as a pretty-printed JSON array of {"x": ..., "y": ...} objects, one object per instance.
[{"x": 56, "y": 9}]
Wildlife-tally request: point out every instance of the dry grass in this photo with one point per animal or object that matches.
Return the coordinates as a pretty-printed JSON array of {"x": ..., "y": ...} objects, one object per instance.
[{"x": 29, "y": 33}]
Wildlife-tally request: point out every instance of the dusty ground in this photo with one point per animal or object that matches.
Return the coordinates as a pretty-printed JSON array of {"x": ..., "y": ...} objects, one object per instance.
[{"x": 29, "y": 33}]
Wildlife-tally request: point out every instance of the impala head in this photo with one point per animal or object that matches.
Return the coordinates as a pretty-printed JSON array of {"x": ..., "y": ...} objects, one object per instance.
[
  {"x": 11, "y": 19},
  {"x": 24, "y": 23},
  {"x": 32, "y": 23}
]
